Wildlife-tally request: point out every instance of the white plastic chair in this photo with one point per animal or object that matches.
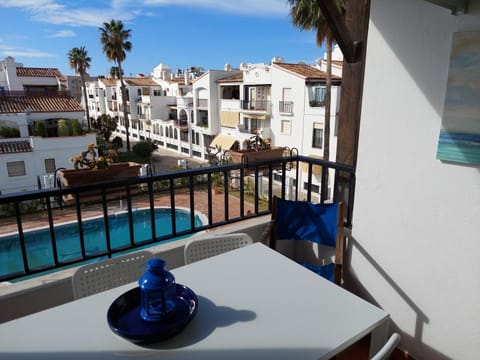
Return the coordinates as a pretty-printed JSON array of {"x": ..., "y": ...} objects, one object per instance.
[
  {"x": 107, "y": 274},
  {"x": 198, "y": 249},
  {"x": 387, "y": 349}
]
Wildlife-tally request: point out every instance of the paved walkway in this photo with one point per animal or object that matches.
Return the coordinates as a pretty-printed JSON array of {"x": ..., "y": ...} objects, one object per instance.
[{"x": 167, "y": 160}]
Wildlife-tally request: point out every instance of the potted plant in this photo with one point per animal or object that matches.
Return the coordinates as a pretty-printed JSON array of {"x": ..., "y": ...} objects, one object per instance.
[
  {"x": 256, "y": 149},
  {"x": 89, "y": 167}
]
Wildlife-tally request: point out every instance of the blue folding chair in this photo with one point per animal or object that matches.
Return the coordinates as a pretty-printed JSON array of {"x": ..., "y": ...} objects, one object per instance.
[{"x": 311, "y": 234}]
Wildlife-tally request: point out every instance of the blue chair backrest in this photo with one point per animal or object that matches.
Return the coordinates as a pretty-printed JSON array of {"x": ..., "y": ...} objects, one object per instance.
[{"x": 301, "y": 220}]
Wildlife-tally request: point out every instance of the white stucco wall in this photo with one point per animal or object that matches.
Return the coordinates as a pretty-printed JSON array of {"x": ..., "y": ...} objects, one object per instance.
[
  {"x": 416, "y": 221},
  {"x": 59, "y": 148}
]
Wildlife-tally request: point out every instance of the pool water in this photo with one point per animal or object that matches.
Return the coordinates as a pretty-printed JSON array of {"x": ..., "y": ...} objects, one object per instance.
[{"x": 39, "y": 245}]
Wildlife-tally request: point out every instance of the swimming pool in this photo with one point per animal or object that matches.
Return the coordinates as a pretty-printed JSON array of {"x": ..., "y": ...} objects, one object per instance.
[{"x": 39, "y": 245}]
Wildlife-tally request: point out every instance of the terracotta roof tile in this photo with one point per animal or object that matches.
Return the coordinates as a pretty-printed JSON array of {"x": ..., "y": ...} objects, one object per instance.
[
  {"x": 140, "y": 82},
  {"x": 19, "y": 104},
  {"x": 39, "y": 72},
  {"x": 130, "y": 81},
  {"x": 109, "y": 82},
  {"x": 306, "y": 71},
  {"x": 16, "y": 146},
  {"x": 232, "y": 78}
]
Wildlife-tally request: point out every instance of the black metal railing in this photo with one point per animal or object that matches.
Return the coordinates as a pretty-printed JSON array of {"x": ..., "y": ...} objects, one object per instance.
[
  {"x": 256, "y": 105},
  {"x": 247, "y": 191}
]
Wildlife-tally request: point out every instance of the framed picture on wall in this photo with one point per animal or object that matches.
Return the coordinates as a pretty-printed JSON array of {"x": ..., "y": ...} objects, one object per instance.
[{"x": 459, "y": 139}]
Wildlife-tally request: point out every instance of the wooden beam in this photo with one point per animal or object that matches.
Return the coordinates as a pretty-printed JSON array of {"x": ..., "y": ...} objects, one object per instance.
[
  {"x": 350, "y": 48},
  {"x": 356, "y": 19}
]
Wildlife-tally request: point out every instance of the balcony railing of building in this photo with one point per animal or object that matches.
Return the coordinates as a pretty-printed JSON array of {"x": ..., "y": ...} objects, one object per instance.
[
  {"x": 285, "y": 107},
  {"x": 241, "y": 128},
  {"x": 203, "y": 103},
  {"x": 243, "y": 186},
  {"x": 256, "y": 105},
  {"x": 202, "y": 123},
  {"x": 48, "y": 92}
]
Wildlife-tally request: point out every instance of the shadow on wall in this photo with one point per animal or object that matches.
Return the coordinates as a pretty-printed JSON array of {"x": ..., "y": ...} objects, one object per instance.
[{"x": 353, "y": 284}]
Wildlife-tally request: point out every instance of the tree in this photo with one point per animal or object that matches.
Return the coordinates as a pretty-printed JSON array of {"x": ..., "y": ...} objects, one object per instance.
[
  {"x": 113, "y": 38},
  {"x": 307, "y": 15},
  {"x": 80, "y": 61},
  {"x": 114, "y": 72},
  {"x": 105, "y": 125}
]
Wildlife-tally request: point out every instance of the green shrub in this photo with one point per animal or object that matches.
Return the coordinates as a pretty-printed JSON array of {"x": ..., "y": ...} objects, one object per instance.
[
  {"x": 40, "y": 129},
  {"x": 62, "y": 128},
  {"x": 117, "y": 142},
  {"x": 144, "y": 150},
  {"x": 9, "y": 132},
  {"x": 75, "y": 127}
]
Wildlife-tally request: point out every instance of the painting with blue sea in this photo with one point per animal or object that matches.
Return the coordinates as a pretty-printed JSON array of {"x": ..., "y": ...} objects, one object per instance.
[{"x": 459, "y": 139}]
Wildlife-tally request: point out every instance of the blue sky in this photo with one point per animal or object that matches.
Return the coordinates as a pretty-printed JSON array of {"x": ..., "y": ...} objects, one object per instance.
[{"x": 178, "y": 33}]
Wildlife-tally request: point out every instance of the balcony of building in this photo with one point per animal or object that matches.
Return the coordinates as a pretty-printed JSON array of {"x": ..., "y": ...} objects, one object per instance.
[
  {"x": 285, "y": 107},
  {"x": 43, "y": 267},
  {"x": 202, "y": 118},
  {"x": 256, "y": 106}
]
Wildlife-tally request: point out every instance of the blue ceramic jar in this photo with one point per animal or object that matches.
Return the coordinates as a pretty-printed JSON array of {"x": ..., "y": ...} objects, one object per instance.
[{"x": 158, "y": 291}]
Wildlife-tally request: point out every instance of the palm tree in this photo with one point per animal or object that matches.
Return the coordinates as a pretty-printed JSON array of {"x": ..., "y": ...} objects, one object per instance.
[
  {"x": 114, "y": 72},
  {"x": 80, "y": 61},
  {"x": 113, "y": 38},
  {"x": 307, "y": 15}
]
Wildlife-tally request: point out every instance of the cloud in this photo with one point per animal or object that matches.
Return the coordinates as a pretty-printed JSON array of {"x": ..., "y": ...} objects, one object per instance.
[
  {"x": 63, "y": 34},
  {"x": 68, "y": 13},
  {"x": 57, "y": 12},
  {"x": 6, "y": 50}
]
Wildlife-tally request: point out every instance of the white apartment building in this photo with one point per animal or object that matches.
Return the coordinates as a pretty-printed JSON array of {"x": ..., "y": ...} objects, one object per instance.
[
  {"x": 159, "y": 106},
  {"x": 190, "y": 115},
  {"x": 29, "y": 96},
  {"x": 285, "y": 102}
]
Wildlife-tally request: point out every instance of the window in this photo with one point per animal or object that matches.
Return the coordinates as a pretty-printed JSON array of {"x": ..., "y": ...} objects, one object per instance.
[
  {"x": 16, "y": 168},
  {"x": 285, "y": 127},
  {"x": 250, "y": 124},
  {"x": 50, "y": 166},
  {"x": 287, "y": 94},
  {"x": 320, "y": 94},
  {"x": 317, "y": 140}
]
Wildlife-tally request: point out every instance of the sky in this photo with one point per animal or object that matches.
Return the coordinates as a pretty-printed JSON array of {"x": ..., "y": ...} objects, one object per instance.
[{"x": 177, "y": 33}]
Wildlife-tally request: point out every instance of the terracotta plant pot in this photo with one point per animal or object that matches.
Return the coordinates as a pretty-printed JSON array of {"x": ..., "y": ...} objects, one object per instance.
[
  {"x": 254, "y": 156},
  {"x": 117, "y": 171}
]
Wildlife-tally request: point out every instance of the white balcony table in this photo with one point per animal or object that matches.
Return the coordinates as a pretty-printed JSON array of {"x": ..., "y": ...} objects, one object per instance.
[{"x": 253, "y": 304}]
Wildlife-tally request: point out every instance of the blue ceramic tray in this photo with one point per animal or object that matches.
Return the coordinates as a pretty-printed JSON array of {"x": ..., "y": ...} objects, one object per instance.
[{"x": 124, "y": 317}]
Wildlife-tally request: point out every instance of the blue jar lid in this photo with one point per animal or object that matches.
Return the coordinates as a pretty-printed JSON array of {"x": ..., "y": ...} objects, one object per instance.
[{"x": 156, "y": 264}]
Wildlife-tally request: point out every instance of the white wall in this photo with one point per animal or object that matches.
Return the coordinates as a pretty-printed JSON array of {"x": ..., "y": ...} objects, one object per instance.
[
  {"x": 415, "y": 243},
  {"x": 59, "y": 148}
]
